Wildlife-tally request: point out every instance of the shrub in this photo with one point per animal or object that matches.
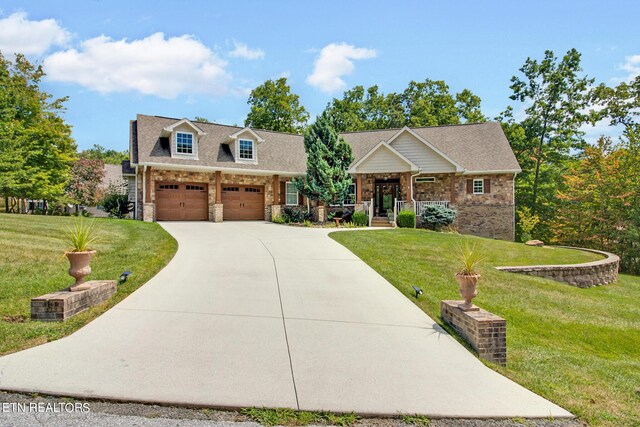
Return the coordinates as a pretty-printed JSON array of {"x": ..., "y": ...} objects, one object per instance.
[
  {"x": 435, "y": 217},
  {"x": 406, "y": 219},
  {"x": 117, "y": 205},
  {"x": 307, "y": 223},
  {"x": 360, "y": 219},
  {"x": 295, "y": 214},
  {"x": 527, "y": 221},
  {"x": 279, "y": 219}
]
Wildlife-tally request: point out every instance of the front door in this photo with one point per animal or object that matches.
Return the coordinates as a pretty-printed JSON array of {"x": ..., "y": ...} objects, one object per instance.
[{"x": 386, "y": 192}]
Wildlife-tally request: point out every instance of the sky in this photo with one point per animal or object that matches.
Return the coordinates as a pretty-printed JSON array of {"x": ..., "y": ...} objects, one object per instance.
[{"x": 115, "y": 59}]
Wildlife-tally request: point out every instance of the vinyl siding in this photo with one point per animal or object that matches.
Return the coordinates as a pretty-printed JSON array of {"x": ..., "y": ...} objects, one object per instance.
[
  {"x": 383, "y": 160},
  {"x": 422, "y": 156}
]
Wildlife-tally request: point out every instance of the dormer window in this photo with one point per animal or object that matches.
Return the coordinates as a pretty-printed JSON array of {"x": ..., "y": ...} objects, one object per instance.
[
  {"x": 245, "y": 149},
  {"x": 184, "y": 143}
]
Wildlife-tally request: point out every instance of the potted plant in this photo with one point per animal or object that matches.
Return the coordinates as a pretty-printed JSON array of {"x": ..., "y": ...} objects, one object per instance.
[
  {"x": 80, "y": 236},
  {"x": 467, "y": 278},
  {"x": 390, "y": 216}
]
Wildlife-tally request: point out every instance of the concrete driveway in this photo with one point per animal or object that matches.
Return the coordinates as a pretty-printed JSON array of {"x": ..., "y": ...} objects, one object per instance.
[{"x": 258, "y": 314}]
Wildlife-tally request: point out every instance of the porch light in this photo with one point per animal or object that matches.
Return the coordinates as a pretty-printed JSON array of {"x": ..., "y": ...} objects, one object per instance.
[
  {"x": 418, "y": 291},
  {"x": 123, "y": 276}
]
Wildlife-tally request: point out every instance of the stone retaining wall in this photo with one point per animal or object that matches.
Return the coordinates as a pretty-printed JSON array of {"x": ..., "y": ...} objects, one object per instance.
[{"x": 585, "y": 275}]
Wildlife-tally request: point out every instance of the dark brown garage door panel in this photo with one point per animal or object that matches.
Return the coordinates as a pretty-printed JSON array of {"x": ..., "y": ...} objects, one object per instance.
[
  {"x": 243, "y": 202},
  {"x": 181, "y": 201}
]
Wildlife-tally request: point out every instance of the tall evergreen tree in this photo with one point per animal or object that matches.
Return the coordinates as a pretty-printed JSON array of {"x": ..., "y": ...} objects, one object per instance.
[{"x": 328, "y": 160}]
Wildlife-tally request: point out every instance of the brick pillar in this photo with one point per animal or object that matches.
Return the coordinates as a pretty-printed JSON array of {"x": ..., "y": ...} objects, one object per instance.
[
  {"x": 276, "y": 190},
  {"x": 452, "y": 187},
  {"x": 218, "y": 188},
  {"x": 407, "y": 184}
]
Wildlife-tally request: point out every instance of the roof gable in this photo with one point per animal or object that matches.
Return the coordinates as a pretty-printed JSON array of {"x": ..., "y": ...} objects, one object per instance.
[
  {"x": 169, "y": 129},
  {"x": 244, "y": 131},
  {"x": 383, "y": 158},
  {"x": 424, "y": 154}
]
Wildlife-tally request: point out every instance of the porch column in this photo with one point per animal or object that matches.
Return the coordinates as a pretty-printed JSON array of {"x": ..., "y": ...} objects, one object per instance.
[
  {"x": 359, "y": 188},
  {"x": 218, "y": 187},
  {"x": 452, "y": 187},
  {"x": 276, "y": 189},
  {"x": 407, "y": 183}
]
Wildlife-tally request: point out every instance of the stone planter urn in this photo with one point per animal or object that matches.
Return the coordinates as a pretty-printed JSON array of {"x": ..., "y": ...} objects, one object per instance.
[
  {"x": 79, "y": 268},
  {"x": 468, "y": 290}
]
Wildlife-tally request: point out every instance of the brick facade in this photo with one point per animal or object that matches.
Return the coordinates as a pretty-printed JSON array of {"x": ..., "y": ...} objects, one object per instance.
[
  {"x": 484, "y": 331},
  {"x": 369, "y": 184}
]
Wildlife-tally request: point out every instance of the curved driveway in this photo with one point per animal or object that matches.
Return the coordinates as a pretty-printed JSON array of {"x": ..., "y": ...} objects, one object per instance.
[{"x": 258, "y": 314}]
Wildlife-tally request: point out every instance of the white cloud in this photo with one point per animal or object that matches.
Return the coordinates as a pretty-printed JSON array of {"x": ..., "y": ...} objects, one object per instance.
[
  {"x": 631, "y": 66},
  {"x": 243, "y": 51},
  {"x": 152, "y": 66},
  {"x": 335, "y": 61},
  {"x": 19, "y": 35}
]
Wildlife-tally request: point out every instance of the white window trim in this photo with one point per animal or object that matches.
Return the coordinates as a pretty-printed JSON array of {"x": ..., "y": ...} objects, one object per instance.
[
  {"x": 474, "y": 186},
  {"x": 355, "y": 191},
  {"x": 286, "y": 194},
  {"x": 194, "y": 146},
  {"x": 254, "y": 159}
]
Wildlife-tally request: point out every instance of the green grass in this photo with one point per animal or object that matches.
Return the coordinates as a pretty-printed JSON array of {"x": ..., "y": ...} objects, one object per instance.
[
  {"x": 32, "y": 263},
  {"x": 291, "y": 417},
  {"x": 579, "y": 348}
]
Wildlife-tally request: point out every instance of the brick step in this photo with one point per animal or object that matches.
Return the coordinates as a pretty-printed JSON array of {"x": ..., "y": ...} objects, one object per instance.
[{"x": 380, "y": 222}]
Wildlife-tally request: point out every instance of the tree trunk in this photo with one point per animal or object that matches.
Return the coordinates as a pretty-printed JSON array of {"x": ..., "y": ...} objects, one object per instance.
[{"x": 538, "y": 163}]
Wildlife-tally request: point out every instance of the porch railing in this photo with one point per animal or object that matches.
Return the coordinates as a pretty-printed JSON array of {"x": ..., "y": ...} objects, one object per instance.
[
  {"x": 368, "y": 208},
  {"x": 419, "y": 205}
]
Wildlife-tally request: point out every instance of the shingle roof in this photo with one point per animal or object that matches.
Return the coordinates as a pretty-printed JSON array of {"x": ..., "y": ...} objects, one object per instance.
[{"x": 475, "y": 147}]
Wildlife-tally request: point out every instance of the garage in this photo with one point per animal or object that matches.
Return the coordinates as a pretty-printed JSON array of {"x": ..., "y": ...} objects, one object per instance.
[
  {"x": 182, "y": 201},
  {"x": 243, "y": 202}
]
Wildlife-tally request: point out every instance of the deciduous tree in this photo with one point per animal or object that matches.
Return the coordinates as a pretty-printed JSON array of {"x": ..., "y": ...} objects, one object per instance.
[{"x": 274, "y": 107}]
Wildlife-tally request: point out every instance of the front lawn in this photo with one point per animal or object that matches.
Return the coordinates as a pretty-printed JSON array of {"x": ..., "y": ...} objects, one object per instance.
[
  {"x": 32, "y": 264},
  {"x": 579, "y": 348}
]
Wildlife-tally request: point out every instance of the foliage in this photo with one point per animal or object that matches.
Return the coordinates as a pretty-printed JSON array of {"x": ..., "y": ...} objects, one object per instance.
[
  {"x": 202, "y": 120},
  {"x": 142, "y": 247},
  {"x": 427, "y": 103},
  {"x": 83, "y": 187},
  {"x": 360, "y": 218},
  {"x": 116, "y": 201},
  {"x": 307, "y": 223},
  {"x": 526, "y": 223},
  {"x": 274, "y": 107},
  {"x": 556, "y": 97},
  {"x": 470, "y": 256},
  {"x": 295, "y": 214},
  {"x": 565, "y": 344},
  {"x": 108, "y": 156},
  {"x": 291, "y": 417},
  {"x": 435, "y": 217},
  {"x": 328, "y": 159},
  {"x": 279, "y": 219},
  {"x": 416, "y": 420},
  {"x": 36, "y": 148},
  {"x": 406, "y": 219},
  {"x": 601, "y": 204},
  {"x": 81, "y": 235}
]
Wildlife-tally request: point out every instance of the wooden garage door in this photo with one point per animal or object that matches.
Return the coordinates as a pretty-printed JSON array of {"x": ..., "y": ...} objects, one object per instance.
[
  {"x": 242, "y": 202},
  {"x": 181, "y": 201}
]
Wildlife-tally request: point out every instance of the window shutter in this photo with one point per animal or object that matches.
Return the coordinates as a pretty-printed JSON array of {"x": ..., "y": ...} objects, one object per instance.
[
  {"x": 283, "y": 194},
  {"x": 487, "y": 185},
  {"x": 469, "y": 186},
  {"x": 300, "y": 199}
]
